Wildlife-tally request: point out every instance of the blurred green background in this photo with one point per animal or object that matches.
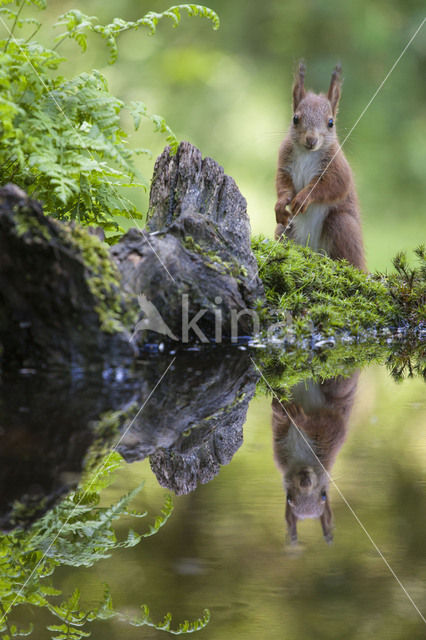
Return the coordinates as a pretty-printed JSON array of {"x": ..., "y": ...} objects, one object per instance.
[{"x": 229, "y": 93}]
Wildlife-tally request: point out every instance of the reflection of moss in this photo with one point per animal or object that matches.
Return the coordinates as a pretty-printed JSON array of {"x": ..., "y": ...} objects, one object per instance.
[
  {"x": 282, "y": 369},
  {"x": 308, "y": 292},
  {"x": 107, "y": 430},
  {"x": 407, "y": 360},
  {"x": 27, "y": 509},
  {"x": 222, "y": 412}
]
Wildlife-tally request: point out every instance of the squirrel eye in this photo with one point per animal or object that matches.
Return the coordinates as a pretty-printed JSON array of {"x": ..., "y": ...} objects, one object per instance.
[
  {"x": 330, "y": 122},
  {"x": 296, "y": 119},
  {"x": 323, "y": 496}
]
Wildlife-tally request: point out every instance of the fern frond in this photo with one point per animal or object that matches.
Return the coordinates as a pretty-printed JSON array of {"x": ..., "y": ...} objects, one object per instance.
[
  {"x": 62, "y": 140},
  {"x": 78, "y": 25},
  {"x": 165, "y": 625},
  {"x": 160, "y": 521}
]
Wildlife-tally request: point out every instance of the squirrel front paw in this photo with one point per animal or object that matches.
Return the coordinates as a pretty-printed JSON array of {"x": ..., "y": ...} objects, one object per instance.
[
  {"x": 280, "y": 230},
  {"x": 282, "y": 214},
  {"x": 300, "y": 202}
]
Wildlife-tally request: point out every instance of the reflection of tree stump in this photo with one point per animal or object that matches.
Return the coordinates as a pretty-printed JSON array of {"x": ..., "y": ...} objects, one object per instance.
[
  {"x": 48, "y": 421},
  {"x": 53, "y": 426},
  {"x": 64, "y": 302},
  {"x": 193, "y": 423}
]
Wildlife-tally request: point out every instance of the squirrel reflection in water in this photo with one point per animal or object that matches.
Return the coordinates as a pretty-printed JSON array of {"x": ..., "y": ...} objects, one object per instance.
[{"x": 308, "y": 433}]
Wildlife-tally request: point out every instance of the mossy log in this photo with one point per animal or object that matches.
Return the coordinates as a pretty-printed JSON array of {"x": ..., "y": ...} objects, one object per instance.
[{"x": 60, "y": 301}]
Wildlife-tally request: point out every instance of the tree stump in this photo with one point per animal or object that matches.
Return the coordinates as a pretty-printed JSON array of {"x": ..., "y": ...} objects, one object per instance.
[{"x": 195, "y": 257}]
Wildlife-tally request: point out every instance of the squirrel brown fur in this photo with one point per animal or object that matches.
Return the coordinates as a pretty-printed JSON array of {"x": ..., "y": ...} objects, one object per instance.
[
  {"x": 308, "y": 433},
  {"x": 317, "y": 204}
]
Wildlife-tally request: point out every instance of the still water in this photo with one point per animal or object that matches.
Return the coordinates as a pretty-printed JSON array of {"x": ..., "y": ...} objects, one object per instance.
[{"x": 358, "y": 566}]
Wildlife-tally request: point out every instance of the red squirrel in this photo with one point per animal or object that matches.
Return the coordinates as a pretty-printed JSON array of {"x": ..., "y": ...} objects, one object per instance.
[
  {"x": 307, "y": 436},
  {"x": 317, "y": 203}
]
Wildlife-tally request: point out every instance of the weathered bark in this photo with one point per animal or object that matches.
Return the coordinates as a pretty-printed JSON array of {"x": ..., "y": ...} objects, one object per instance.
[
  {"x": 63, "y": 301},
  {"x": 196, "y": 248}
]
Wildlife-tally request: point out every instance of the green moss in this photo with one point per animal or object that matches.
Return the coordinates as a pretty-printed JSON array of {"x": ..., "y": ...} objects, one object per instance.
[
  {"x": 407, "y": 287},
  {"x": 214, "y": 261},
  {"x": 26, "y": 220},
  {"x": 308, "y": 292},
  {"x": 102, "y": 277},
  {"x": 357, "y": 314}
]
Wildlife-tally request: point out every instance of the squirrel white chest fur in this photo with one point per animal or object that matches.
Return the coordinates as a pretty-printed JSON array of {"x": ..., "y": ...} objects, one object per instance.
[
  {"x": 299, "y": 448},
  {"x": 306, "y": 228},
  {"x": 296, "y": 444}
]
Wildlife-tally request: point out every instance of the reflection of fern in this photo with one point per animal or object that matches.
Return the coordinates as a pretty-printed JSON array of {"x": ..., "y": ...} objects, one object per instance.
[
  {"x": 165, "y": 625},
  {"x": 73, "y": 618},
  {"x": 77, "y": 532}
]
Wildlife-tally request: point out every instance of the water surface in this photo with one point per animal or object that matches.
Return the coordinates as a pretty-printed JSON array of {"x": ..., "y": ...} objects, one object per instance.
[{"x": 226, "y": 546}]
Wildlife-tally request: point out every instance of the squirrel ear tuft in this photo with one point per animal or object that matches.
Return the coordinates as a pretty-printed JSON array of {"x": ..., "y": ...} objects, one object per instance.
[
  {"x": 299, "y": 85},
  {"x": 334, "y": 90}
]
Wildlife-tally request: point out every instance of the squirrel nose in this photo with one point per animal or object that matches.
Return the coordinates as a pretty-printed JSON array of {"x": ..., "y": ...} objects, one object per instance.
[
  {"x": 311, "y": 141},
  {"x": 305, "y": 480}
]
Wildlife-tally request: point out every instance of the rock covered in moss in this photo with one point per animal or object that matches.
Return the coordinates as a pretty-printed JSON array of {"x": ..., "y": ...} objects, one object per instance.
[{"x": 61, "y": 302}]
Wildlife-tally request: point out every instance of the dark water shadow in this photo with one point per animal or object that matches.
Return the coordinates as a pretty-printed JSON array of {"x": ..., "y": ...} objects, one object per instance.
[{"x": 187, "y": 413}]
